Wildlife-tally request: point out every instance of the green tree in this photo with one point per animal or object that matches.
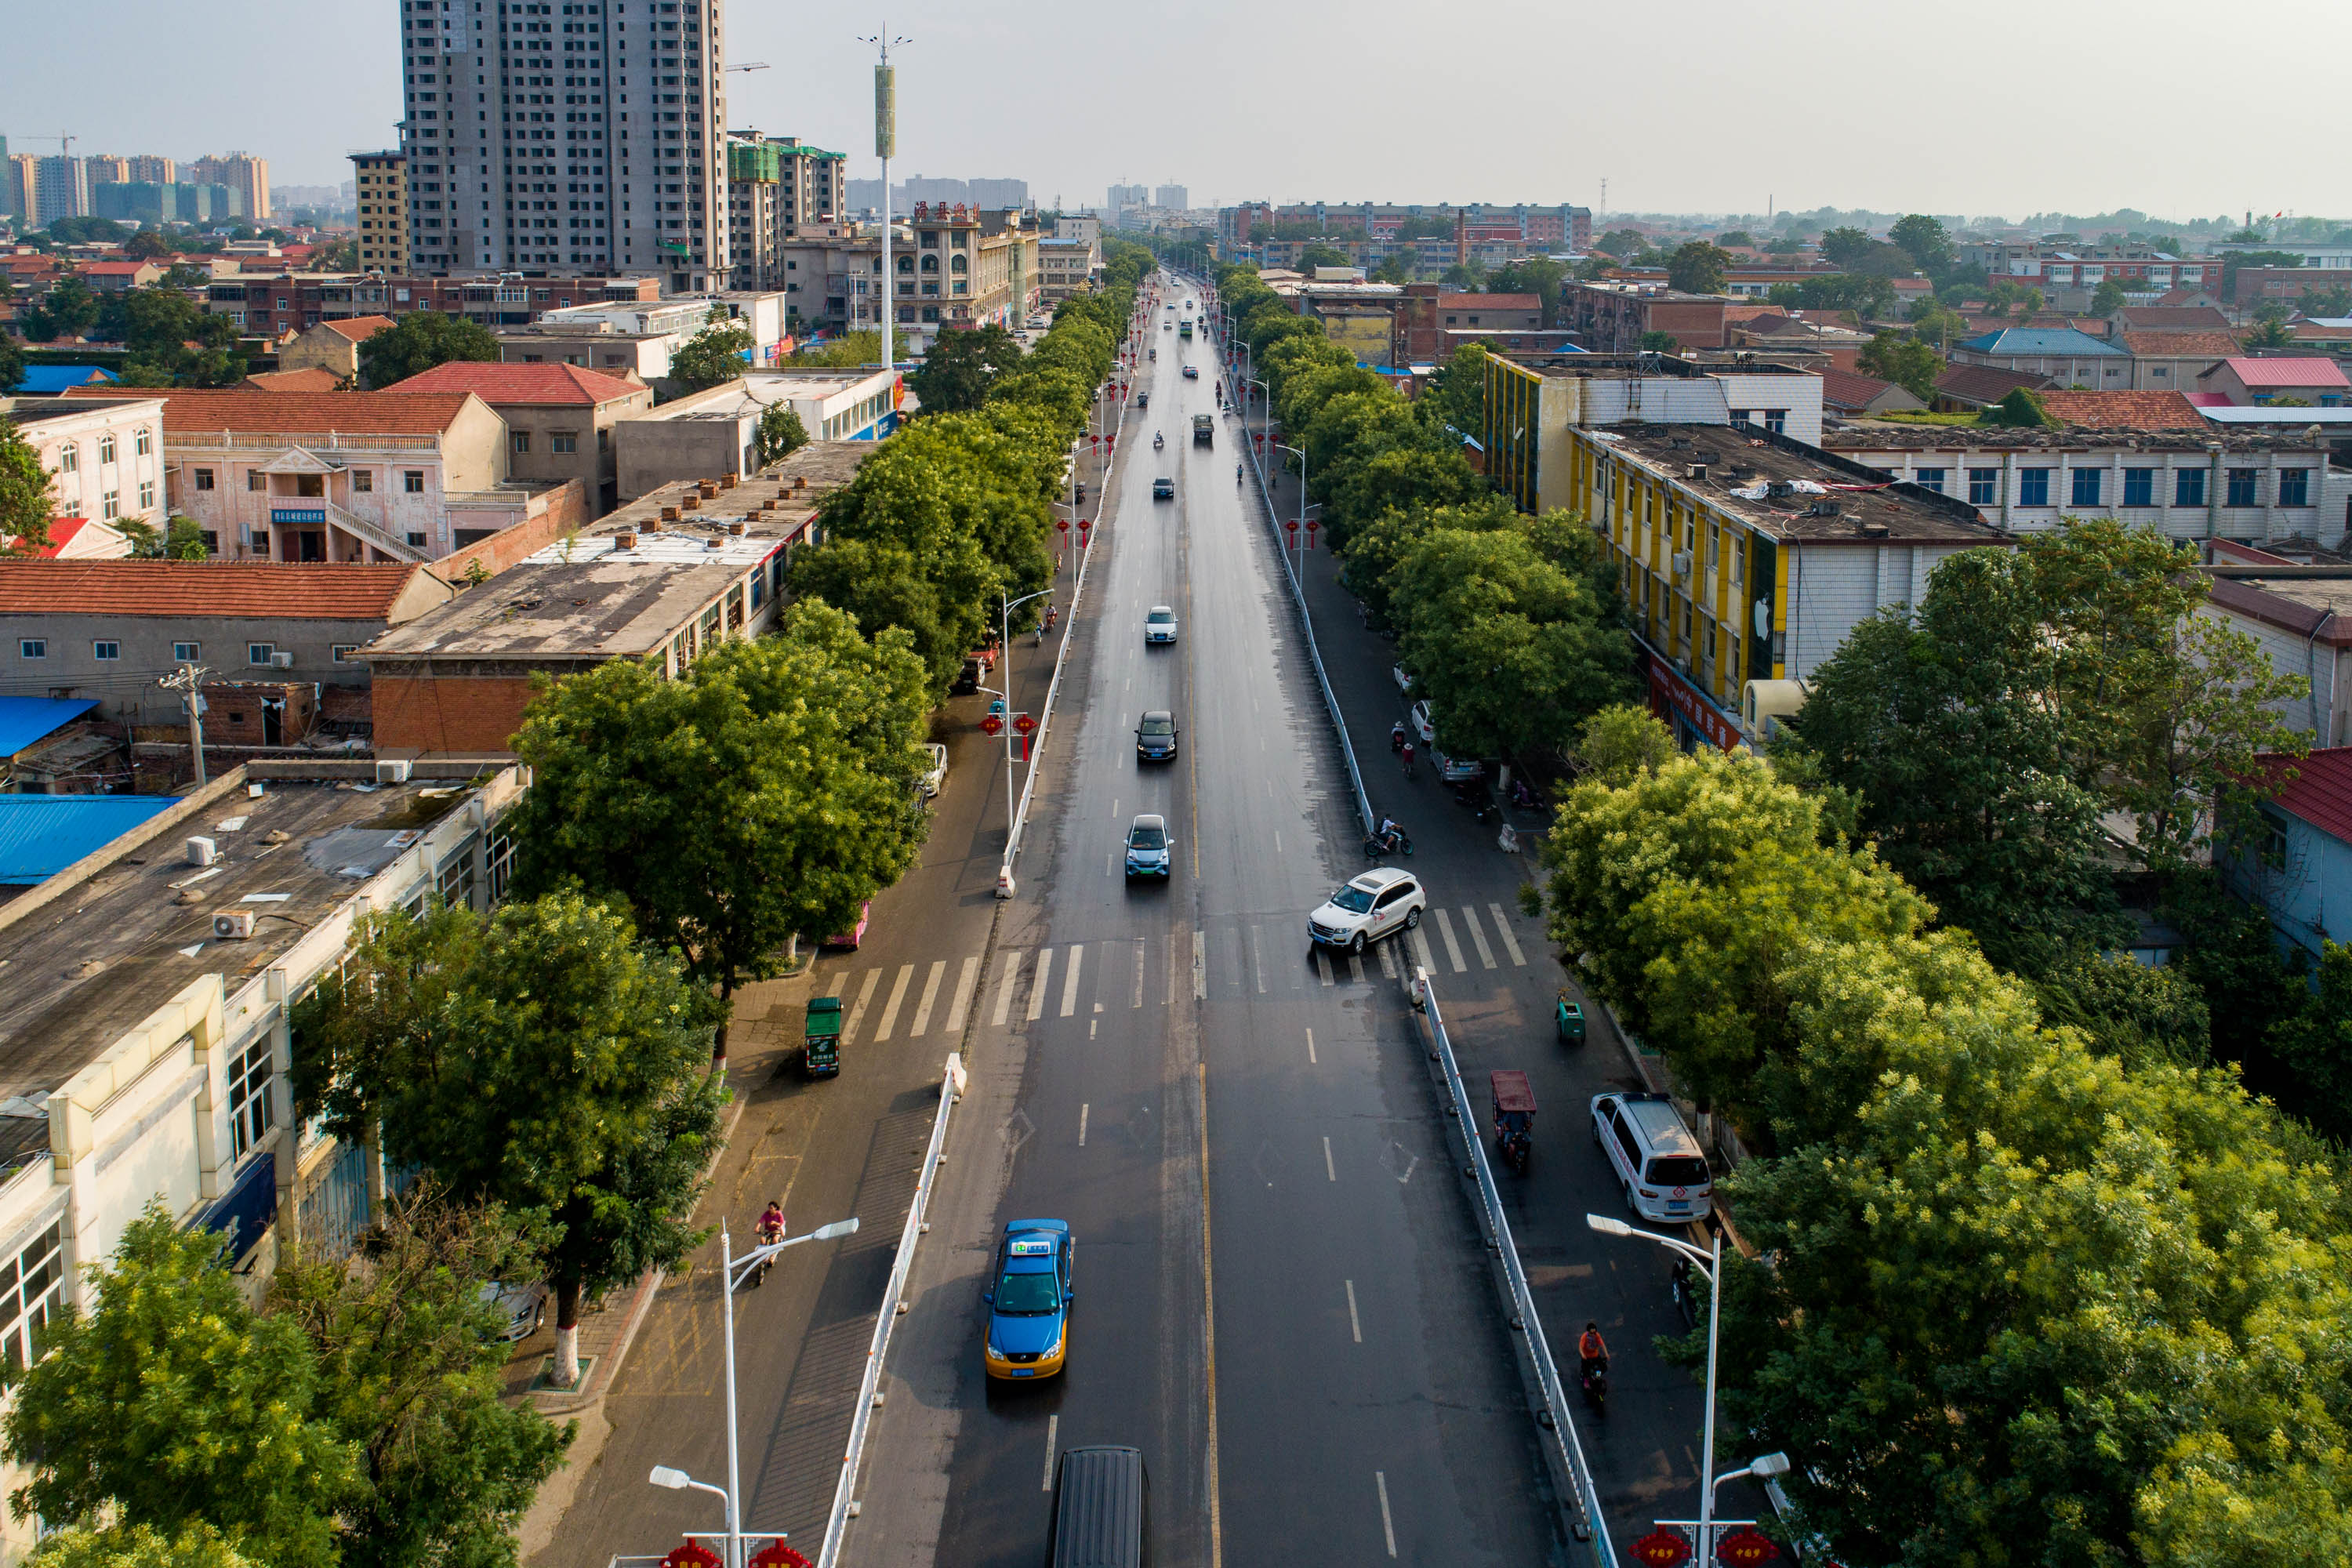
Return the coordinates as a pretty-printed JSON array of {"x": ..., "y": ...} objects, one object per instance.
[
  {"x": 1455, "y": 398},
  {"x": 1660, "y": 342},
  {"x": 1315, "y": 255},
  {"x": 410, "y": 1356},
  {"x": 1394, "y": 268},
  {"x": 1698, "y": 268},
  {"x": 1739, "y": 238},
  {"x": 1938, "y": 325},
  {"x": 1537, "y": 275},
  {"x": 2017, "y": 410},
  {"x": 1621, "y": 743},
  {"x": 1622, "y": 242},
  {"x": 1925, "y": 240},
  {"x": 1845, "y": 247},
  {"x": 197, "y": 1545},
  {"x": 2108, "y": 297},
  {"x": 1903, "y": 360},
  {"x": 959, "y": 367},
  {"x": 12, "y": 364},
  {"x": 416, "y": 343},
  {"x": 2326, "y": 304},
  {"x": 770, "y": 790},
  {"x": 2269, "y": 334},
  {"x": 68, "y": 310},
  {"x": 147, "y": 245},
  {"x": 1512, "y": 646},
  {"x": 543, "y": 1061},
  {"x": 173, "y": 1403},
  {"x": 851, "y": 350},
  {"x": 2190, "y": 730},
  {"x": 781, "y": 434},
  {"x": 25, "y": 503},
  {"x": 713, "y": 356}
]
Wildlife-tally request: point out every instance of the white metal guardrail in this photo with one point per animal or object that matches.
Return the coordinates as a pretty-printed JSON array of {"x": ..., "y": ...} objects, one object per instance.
[
  {"x": 1061, "y": 654},
  {"x": 1590, "y": 1525},
  {"x": 951, "y": 1086}
]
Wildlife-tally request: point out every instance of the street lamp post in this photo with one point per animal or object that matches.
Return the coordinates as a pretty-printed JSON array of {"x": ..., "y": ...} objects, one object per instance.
[
  {"x": 1004, "y": 642},
  {"x": 1710, "y": 1264},
  {"x": 733, "y": 1271},
  {"x": 1305, "y": 506}
]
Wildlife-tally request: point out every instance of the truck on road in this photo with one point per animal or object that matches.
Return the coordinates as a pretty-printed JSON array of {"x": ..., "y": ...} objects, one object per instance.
[{"x": 1204, "y": 430}]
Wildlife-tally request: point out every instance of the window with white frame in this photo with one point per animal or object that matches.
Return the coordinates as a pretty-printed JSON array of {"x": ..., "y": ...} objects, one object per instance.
[
  {"x": 70, "y": 457},
  {"x": 111, "y": 505},
  {"x": 33, "y": 647},
  {"x": 105, "y": 650},
  {"x": 251, "y": 1106},
  {"x": 32, "y": 1291},
  {"x": 501, "y": 859},
  {"x": 144, "y": 441},
  {"x": 259, "y": 652},
  {"x": 105, "y": 450},
  {"x": 146, "y": 495},
  {"x": 344, "y": 652},
  {"x": 187, "y": 652}
]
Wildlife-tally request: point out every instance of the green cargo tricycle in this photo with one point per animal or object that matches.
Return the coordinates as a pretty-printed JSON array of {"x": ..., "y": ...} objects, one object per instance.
[
  {"x": 1569, "y": 1018},
  {"x": 821, "y": 1047}
]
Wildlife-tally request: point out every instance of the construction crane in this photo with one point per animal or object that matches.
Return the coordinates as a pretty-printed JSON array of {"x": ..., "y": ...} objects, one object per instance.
[{"x": 65, "y": 143}]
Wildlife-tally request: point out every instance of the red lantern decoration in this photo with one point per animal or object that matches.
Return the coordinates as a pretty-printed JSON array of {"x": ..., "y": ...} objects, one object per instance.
[
  {"x": 1290, "y": 524},
  {"x": 1063, "y": 523},
  {"x": 994, "y": 723},
  {"x": 1023, "y": 724},
  {"x": 691, "y": 1554},
  {"x": 1745, "y": 1548},
  {"x": 1660, "y": 1549},
  {"x": 779, "y": 1555}
]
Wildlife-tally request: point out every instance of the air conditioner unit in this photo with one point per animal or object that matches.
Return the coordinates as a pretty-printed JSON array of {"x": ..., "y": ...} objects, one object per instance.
[
  {"x": 233, "y": 925},
  {"x": 1682, "y": 563},
  {"x": 282, "y": 660},
  {"x": 391, "y": 772},
  {"x": 202, "y": 852}
]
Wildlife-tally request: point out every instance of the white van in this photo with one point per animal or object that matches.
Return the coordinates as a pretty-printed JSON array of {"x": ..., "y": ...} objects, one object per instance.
[{"x": 1658, "y": 1163}]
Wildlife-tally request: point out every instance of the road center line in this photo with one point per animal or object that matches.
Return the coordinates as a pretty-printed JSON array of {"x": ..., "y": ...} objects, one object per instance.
[
  {"x": 1054, "y": 1430},
  {"x": 1200, "y": 965},
  {"x": 963, "y": 993},
  {"x": 1257, "y": 953},
  {"x": 890, "y": 1009},
  {"x": 1070, "y": 981},
  {"x": 1355, "y": 1325},
  {"x": 1041, "y": 980},
  {"x": 1139, "y": 962},
  {"x": 1327, "y": 1171},
  {"x": 1388, "y": 1527},
  {"x": 1310, "y": 1034},
  {"x": 930, "y": 995},
  {"x": 1502, "y": 928},
  {"x": 1082, "y": 1109},
  {"x": 1004, "y": 976}
]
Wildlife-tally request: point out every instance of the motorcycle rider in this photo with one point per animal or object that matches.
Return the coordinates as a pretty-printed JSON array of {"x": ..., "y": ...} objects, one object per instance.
[
  {"x": 1396, "y": 736},
  {"x": 1592, "y": 1351},
  {"x": 1389, "y": 832}
]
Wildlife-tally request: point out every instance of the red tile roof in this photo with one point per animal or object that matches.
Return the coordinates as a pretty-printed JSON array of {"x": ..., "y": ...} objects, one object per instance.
[
  {"x": 317, "y": 378},
  {"x": 314, "y": 590},
  {"x": 1984, "y": 382},
  {"x": 132, "y": 269},
  {"x": 2177, "y": 345},
  {"x": 2321, "y": 791},
  {"x": 2122, "y": 410},
  {"x": 1840, "y": 388},
  {"x": 63, "y": 528},
  {"x": 538, "y": 384},
  {"x": 349, "y": 413},
  {"x": 359, "y": 329},
  {"x": 2169, "y": 318},
  {"x": 2308, "y": 372}
]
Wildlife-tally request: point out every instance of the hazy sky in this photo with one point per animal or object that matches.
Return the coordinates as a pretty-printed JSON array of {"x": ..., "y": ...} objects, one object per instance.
[{"x": 1701, "y": 106}]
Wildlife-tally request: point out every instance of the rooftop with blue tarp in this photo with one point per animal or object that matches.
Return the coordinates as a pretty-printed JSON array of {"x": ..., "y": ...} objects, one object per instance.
[
  {"x": 26, "y": 719},
  {"x": 48, "y": 380},
  {"x": 41, "y": 834}
]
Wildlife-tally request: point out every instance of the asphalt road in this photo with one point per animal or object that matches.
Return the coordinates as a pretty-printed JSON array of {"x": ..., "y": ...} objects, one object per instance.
[{"x": 1280, "y": 1295}]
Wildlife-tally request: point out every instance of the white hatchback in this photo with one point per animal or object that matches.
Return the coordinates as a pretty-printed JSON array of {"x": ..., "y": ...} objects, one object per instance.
[
  {"x": 1369, "y": 907},
  {"x": 1159, "y": 625}
]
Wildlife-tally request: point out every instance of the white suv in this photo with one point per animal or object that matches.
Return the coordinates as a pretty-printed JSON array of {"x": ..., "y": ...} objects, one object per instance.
[
  {"x": 1368, "y": 908},
  {"x": 1657, "y": 1162}
]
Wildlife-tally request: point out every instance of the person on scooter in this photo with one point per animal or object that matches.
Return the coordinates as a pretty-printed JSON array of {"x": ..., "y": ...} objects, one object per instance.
[
  {"x": 1396, "y": 736},
  {"x": 1592, "y": 1351},
  {"x": 771, "y": 1227},
  {"x": 1237, "y": 476}
]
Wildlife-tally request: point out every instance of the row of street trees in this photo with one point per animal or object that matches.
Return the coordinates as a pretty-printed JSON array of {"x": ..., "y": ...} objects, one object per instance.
[
  {"x": 1510, "y": 625},
  {"x": 2022, "y": 1297}
]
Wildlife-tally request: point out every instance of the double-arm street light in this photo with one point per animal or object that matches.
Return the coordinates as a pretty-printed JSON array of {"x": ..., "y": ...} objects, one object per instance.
[
  {"x": 1709, "y": 1264},
  {"x": 1305, "y": 506},
  {"x": 733, "y": 1271}
]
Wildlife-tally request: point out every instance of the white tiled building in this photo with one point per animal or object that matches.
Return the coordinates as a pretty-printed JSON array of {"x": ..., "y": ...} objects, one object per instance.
[{"x": 106, "y": 460}]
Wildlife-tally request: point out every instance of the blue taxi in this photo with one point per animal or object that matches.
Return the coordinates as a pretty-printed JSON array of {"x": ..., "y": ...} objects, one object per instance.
[{"x": 1029, "y": 1300}]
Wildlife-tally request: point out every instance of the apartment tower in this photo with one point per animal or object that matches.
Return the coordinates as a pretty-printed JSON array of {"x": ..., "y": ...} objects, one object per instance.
[
  {"x": 380, "y": 182},
  {"x": 554, "y": 139}
]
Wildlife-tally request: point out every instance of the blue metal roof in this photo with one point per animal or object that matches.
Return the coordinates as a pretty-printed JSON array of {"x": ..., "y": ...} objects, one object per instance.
[
  {"x": 2042, "y": 341},
  {"x": 41, "y": 834},
  {"x": 47, "y": 380},
  {"x": 24, "y": 719}
]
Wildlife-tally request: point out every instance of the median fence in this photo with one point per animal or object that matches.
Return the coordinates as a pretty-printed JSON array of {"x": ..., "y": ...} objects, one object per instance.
[{"x": 1584, "y": 1516}]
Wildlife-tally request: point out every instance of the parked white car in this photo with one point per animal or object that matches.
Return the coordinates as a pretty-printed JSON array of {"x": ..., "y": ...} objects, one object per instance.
[
  {"x": 937, "y": 778},
  {"x": 1424, "y": 724}
]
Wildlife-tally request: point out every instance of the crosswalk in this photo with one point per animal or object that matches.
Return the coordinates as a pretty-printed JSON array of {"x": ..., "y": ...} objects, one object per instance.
[{"x": 1029, "y": 985}]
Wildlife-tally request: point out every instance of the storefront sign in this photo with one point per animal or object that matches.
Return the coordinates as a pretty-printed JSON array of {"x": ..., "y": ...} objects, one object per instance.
[
  {"x": 1673, "y": 692},
  {"x": 297, "y": 514}
]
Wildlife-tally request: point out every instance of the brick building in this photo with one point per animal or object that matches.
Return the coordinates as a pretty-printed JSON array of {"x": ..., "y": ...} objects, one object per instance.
[{"x": 1614, "y": 318}]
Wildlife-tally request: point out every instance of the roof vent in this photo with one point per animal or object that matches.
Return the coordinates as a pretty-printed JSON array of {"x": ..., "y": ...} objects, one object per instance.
[
  {"x": 1825, "y": 507},
  {"x": 669, "y": 514},
  {"x": 1779, "y": 490},
  {"x": 726, "y": 481},
  {"x": 626, "y": 540},
  {"x": 690, "y": 503},
  {"x": 1695, "y": 471},
  {"x": 737, "y": 527}
]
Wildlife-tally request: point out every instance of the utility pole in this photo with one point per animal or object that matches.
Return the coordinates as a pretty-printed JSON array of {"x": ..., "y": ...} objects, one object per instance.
[
  {"x": 886, "y": 142},
  {"x": 185, "y": 680}
]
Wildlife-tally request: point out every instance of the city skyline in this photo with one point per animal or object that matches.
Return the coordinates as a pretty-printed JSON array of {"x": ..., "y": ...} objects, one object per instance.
[{"x": 2003, "y": 159}]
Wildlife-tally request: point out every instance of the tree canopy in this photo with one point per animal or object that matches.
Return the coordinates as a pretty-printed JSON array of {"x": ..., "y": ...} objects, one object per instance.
[
  {"x": 25, "y": 503},
  {"x": 959, "y": 368},
  {"x": 417, "y": 341},
  {"x": 713, "y": 356}
]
